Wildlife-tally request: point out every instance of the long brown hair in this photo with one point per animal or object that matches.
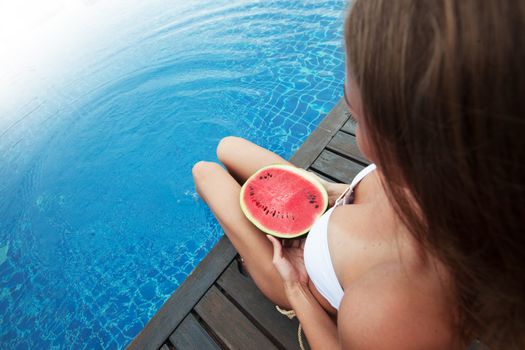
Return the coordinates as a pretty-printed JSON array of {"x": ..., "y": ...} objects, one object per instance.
[{"x": 443, "y": 92}]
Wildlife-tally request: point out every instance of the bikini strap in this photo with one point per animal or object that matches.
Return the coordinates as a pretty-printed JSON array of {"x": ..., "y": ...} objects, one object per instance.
[
  {"x": 355, "y": 181},
  {"x": 362, "y": 174}
]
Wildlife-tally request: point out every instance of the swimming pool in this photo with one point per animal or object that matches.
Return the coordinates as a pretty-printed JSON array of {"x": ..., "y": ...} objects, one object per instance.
[{"x": 99, "y": 219}]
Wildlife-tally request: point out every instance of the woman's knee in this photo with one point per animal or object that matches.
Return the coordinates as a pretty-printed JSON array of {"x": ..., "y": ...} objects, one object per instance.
[
  {"x": 202, "y": 169},
  {"x": 228, "y": 145}
]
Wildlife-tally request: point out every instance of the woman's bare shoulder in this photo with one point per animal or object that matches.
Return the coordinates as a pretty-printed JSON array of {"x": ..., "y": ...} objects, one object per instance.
[{"x": 390, "y": 309}]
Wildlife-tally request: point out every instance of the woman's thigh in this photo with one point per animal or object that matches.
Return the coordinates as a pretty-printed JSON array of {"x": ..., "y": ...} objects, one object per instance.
[
  {"x": 221, "y": 192},
  {"x": 242, "y": 158}
]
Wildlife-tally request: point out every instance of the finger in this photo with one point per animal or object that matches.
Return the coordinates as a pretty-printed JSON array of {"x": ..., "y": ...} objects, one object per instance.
[
  {"x": 277, "y": 247},
  {"x": 303, "y": 240},
  {"x": 295, "y": 243}
]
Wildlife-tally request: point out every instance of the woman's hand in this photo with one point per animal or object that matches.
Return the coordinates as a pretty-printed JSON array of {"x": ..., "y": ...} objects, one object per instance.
[
  {"x": 334, "y": 190},
  {"x": 288, "y": 260},
  {"x": 319, "y": 328}
]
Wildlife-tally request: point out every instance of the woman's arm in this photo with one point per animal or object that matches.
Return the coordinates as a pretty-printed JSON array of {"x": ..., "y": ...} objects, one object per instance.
[{"x": 318, "y": 327}]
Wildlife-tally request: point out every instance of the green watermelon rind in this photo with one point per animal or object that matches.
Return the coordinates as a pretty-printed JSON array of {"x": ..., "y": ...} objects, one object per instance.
[{"x": 311, "y": 178}]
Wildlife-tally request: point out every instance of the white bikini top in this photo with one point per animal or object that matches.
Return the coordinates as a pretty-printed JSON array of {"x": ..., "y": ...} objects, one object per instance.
[{"x": 317, "y": 258}]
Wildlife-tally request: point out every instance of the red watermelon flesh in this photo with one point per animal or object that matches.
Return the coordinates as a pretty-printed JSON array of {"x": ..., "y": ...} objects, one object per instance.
[{"x": 283, "y": 200}]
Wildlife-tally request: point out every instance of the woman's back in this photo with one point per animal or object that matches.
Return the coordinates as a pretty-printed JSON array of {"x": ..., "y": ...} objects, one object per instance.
[{"x": 384, "y": 272}]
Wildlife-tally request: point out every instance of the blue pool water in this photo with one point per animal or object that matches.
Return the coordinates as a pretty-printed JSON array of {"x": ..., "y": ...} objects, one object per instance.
[{"x": 99, "y": 219}]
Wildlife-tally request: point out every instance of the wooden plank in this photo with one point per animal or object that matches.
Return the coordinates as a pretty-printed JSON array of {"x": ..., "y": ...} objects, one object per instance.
[
  {"x": 229, "y": 324},
  {"x": 244, "y": 291},
  {"x": 316, "y": 142},
  {"x": 190, "y": 335},
  {"x": 185, "y": 297},
  {"x": 349, "y": 126},
  {"x": 336, "y": 166},
  {"x": 322, "y": 176},
  {"x": 346, "y": 144}
]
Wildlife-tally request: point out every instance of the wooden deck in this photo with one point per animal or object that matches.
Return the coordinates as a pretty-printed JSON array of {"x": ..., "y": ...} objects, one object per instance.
[{"x": 217, "y": 307}]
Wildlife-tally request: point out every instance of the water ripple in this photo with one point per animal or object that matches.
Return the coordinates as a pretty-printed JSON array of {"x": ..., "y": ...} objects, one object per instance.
[{"x": 97, "y": 201}]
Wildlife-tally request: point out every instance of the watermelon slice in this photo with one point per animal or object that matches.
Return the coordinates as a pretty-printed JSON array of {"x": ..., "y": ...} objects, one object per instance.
[{"x": 283, "y": 201}]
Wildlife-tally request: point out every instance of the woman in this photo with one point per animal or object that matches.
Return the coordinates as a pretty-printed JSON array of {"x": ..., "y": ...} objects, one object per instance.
[{"x": 430, "y": 252}]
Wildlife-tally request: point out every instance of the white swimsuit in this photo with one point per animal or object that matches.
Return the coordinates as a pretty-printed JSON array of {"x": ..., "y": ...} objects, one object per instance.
[{"x": 317, "y": 258}]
